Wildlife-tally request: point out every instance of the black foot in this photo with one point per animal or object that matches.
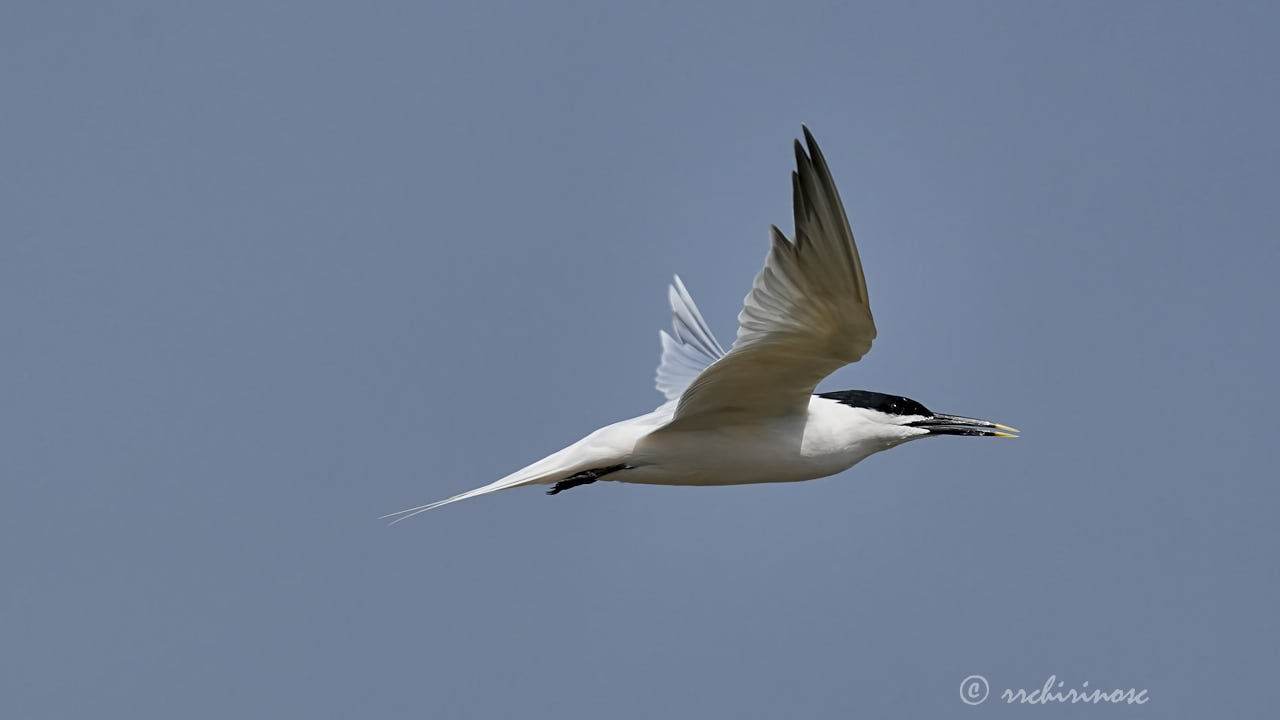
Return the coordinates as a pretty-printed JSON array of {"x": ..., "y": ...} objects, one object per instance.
[{"x": 586, "y": 477}]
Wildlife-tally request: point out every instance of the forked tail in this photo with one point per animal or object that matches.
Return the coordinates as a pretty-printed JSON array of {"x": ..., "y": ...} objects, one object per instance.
[
  {"x": 590, "y": 455},
  {"x": 502, "y": 484},
  {"x": 538, "y": 472}
]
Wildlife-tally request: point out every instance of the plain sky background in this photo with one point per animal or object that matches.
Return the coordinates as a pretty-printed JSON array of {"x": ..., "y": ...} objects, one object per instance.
[{"x": 271, "y": 270}]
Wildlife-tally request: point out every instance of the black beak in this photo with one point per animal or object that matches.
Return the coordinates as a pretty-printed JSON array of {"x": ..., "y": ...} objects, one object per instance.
[{"x": 941, "y": 424}]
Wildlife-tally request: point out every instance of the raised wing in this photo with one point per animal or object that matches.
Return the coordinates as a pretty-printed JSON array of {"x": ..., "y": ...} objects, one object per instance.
[
  {"x": 806, "y": 316},
  {"x": 691, "y": 350}
]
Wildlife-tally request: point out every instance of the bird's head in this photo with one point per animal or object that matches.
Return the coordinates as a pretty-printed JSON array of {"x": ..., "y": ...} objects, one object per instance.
[{"x": 900, "y": 418}]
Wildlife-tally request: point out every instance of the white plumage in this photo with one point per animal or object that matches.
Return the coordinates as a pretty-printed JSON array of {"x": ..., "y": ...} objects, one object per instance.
[{"x": 749, "y": 415}]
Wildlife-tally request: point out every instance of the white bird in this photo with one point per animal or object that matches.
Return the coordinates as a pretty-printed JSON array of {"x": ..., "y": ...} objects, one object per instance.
[{"x": 750, "y": 415}]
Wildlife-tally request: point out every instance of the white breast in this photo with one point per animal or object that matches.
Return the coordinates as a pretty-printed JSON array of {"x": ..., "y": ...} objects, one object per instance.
[{"x": 829, "y": 438}]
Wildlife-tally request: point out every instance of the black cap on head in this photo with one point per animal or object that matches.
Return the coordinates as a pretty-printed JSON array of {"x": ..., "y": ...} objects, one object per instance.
[{"x": 887, "y": 404}]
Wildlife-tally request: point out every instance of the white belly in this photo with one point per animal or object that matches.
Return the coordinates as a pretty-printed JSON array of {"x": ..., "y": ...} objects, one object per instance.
[{"x": 783, "y": 450}]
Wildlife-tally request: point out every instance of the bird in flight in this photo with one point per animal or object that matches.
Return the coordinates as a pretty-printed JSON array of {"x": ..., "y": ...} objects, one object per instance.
[{"x": 750, "y": 415}]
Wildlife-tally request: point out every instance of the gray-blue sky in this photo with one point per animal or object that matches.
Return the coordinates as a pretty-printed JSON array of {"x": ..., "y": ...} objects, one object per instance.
[{"x": 270, "y": 272}]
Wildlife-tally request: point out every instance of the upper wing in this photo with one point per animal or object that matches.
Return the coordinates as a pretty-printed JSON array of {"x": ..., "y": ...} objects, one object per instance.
[
  {"x": 807, "y": 313},
  {"x": 692, "y": 349}
]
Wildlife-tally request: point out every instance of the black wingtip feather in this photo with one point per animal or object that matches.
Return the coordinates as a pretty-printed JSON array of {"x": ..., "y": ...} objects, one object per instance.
[
  {"x": 798, "y": 210},
  {"x": 808, "y": 138},
  {"x": 815, "y": 153}
]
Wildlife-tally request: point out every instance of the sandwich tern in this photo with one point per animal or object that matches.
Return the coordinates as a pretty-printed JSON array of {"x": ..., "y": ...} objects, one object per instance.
[{"x": 750, "y": 415}]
